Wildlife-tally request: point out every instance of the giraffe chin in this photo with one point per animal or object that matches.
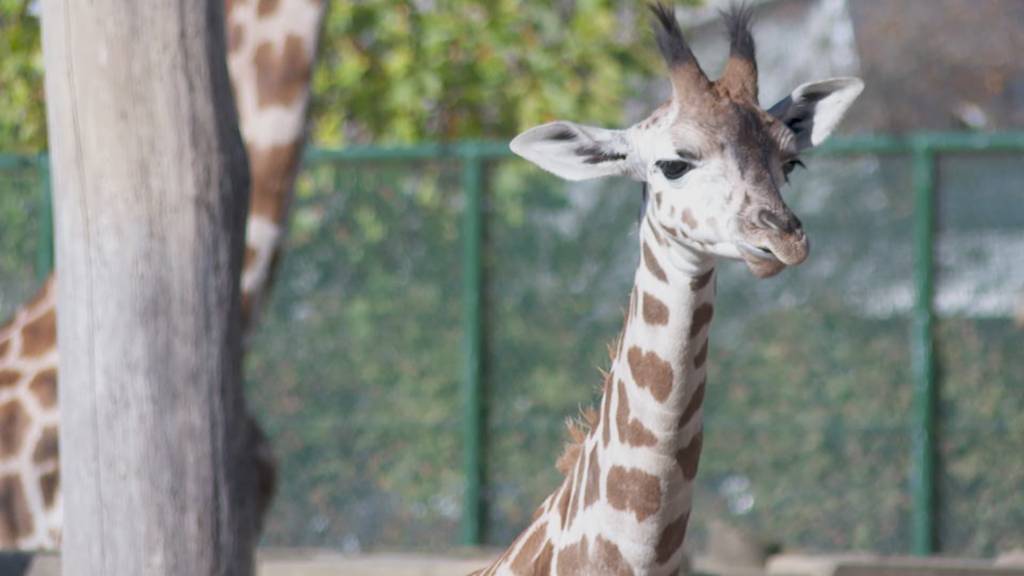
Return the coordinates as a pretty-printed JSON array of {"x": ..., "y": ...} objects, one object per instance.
[
  {"x": 764, "y": 267},
  {"x": 772, "y": 255}
]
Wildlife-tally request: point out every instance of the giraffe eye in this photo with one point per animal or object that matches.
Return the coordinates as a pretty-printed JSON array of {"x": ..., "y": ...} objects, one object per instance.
[
  {"x": 674, "y": 169},
  {"x": 788, "y": 167}
]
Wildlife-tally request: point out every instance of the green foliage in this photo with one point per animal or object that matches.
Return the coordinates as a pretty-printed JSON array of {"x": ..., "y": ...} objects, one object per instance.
[
  {"x": 19, "y": 234},
  {"x": 22, "y": 110},
  {"x": 405, "y": 70}
]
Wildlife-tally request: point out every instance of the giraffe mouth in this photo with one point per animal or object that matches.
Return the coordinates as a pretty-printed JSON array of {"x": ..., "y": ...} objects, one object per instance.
[
  {"x": 761, "y": 260},
  {"x": 762, "y": 252}
]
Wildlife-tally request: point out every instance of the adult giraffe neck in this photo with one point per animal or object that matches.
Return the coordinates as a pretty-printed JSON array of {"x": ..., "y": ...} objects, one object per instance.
[
  {"x": 624, "y": 504},
  {"x": 272, "y": 47}
]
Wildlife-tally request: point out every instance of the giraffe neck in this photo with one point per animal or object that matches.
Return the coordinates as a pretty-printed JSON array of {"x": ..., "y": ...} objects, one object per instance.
[
  {"x": 271, "y": 48},
  {"x": 648, "y": 439},
  {"x": 624, "y": 504}
]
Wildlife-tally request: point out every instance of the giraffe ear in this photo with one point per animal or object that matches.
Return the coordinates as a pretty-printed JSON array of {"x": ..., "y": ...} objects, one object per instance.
[
  {"x": 814, "y": 109},
  {"x": 573, "y": 151}
]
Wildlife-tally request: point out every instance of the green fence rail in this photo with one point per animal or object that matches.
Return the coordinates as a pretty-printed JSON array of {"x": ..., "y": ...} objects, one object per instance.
[{"x": 921, "y": 149}]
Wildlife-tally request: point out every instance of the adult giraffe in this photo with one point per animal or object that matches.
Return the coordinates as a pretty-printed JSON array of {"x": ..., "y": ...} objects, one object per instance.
[
  {"x": 713, "y": 163},
  {"x": 272, "y": 45}
]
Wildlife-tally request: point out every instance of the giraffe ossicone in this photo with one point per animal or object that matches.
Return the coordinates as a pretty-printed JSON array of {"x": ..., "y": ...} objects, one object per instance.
[{"x": 713, "y": 162}]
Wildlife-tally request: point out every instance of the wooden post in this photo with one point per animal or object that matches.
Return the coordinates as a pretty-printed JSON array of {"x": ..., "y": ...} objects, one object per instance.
[{"x": 150, "y": 197}]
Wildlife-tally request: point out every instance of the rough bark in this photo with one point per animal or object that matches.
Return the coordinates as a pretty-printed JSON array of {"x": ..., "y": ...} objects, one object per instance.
[{"x": 150, "y": 194}]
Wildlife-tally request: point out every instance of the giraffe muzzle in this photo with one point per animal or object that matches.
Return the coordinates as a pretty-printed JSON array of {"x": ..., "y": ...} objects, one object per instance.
[{"x": 777, "y": 241}]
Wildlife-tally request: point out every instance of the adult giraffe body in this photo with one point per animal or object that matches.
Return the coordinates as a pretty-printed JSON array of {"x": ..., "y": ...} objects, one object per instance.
[
  {"x": 272, "y": 45},
  {"x": 713, "y": 162}
]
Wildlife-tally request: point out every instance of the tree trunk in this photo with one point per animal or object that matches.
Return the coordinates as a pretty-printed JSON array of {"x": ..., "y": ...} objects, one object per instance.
[{"x": 150, "y": 194}]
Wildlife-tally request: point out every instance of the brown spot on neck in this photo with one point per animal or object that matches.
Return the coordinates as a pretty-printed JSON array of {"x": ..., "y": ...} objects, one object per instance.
[
  {"x": 9, "y": 378},
  {"x": 49, "y": 484},
  {"x": 281, "y": 79},
  {"x": 39, "y": 336},
  {"x": 236, "y": 34},
  {"x": 229, "y": 5},
  {"x": 593, "y": 487},
  {"x": 572, "y": 559},
  {"x": 563, "y": 503},
  {"x": 631, "y": 431},
  {"x": 5, "y": 344},
  {"x": 44, "y": 387},
  {"x": 633, "y": 490},
  {"x": 540, "y": 510},
  {"x": 524, "y": 560},
  {"x": 542, "y": 565},
  {"x": 15, "y": 516},
  {"x": 267, "y": 7},
  {"x": 606, "y": 402},
  {"x": 672, "y": 538},
  {"x": 696, "y": 401},
  {"x": 652, "y": 263},
  {"x": 47, "y": 448},
  {"x": 250, "y": 257},
  {"x": 650, "y": 372},
  {"x": 701, "y": 356},
  {"x": 14, "y": 423},
  {"x": 609, "y": 559},
  {"x": 574, "y": 501},
  {"x": 688, "y": 457},
  {"x": 701, "y": 281},
  {"x": 655, "y": 311},
  {"x": 701, "y": 318},
  {"x": 272, "y": 171}
]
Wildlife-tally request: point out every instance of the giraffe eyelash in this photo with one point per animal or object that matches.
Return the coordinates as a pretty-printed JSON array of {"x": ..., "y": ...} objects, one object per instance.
[{"x": 791, "y": 165}]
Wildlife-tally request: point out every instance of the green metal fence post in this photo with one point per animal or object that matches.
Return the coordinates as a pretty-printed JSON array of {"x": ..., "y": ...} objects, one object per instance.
[
  {"x": 472, "y": 397},
  {"x": 923, "y": 361},
  {"x": 44, "y": 250}
]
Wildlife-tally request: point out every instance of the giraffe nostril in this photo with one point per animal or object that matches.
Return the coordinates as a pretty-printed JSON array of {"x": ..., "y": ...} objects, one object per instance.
[
  {"x": 769, "y": 219},
  {"x": 787, "y": 222}
]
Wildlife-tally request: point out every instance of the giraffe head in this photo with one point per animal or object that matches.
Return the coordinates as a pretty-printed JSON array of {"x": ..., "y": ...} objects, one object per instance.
[{"x": 712, "y": 160}]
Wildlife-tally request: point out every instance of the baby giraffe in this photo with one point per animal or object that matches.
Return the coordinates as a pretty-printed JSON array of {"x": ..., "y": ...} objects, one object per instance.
[{"x": 713, "y": 163}]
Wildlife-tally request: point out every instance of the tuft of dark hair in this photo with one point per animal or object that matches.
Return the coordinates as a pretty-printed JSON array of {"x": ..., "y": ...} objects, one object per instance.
[
  {"x": 671, "y": 43},
  {"x": 737, "y": 19}
]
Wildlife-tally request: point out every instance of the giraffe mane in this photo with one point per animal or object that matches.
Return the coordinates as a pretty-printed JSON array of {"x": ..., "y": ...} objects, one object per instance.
[{"x": 577, "y": 429}]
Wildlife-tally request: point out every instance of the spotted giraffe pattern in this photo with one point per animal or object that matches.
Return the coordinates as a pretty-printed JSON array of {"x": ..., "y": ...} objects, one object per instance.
[
  {"x": 712, "y": 162},
  {"x": 272, "y": 44},
  {"x": 623, "y": 506},
  {"x": 29, "y": 473}
]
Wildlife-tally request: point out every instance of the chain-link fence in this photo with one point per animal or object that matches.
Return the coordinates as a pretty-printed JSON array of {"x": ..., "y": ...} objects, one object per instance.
[{"x": 418, "y": 359}]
